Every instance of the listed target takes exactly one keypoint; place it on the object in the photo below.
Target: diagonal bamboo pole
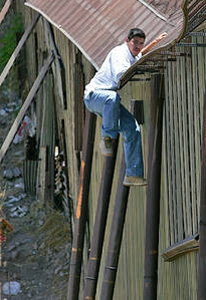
(5, 10)
(201, 294)
(153, 191)
(100, 225)
(82, 207)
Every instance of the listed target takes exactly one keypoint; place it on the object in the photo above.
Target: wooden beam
(25, 106)
(187, 245)
(5, 10)
(58, 66)
(153, 190)
(201, 293)
(18, 49)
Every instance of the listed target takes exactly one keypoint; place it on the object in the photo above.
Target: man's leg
(132, 143)
(106, 103)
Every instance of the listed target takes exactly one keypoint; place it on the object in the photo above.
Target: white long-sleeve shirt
(117, 62)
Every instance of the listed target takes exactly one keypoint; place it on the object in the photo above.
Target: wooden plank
(168, 155)
(18, 49)
(78, 102)
(172, 182)
(187, 245)
(178, 188)
(5, 10)
(191, 141)
(57, 67)
(43, 153)
(181, 144)
(25, 106)
(202, 230)
(199, 59)
(153, 189)
(197, 121)
(164, 217)
(188, 229)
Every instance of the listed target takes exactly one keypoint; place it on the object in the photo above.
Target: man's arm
(153, 43)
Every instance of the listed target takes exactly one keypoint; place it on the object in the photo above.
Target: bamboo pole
(201, 293)
(100, 225)
(82, 207)
(153, 190)
(115, 239)
(4, 11)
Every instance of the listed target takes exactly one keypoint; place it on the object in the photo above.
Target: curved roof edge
(95, 27)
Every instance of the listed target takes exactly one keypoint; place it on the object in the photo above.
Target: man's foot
(106, 146)
(134, 181)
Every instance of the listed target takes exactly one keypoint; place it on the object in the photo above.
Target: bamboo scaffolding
(82, 207)
(201, 295)
(153, 191)
(100, 225)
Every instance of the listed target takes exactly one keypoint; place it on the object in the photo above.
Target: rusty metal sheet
(96, 26)
(196, 13)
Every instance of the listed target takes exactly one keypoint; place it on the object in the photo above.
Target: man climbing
(101, 98)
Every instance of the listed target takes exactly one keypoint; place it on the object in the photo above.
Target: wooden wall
(180, 182)
(185, 83)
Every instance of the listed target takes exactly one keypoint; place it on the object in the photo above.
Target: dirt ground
(35, 256)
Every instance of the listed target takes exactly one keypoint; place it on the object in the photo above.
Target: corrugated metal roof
(96, 26)
(196, 13)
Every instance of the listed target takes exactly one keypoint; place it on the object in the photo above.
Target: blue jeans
(117, 119)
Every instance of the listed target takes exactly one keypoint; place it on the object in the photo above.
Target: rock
(19, 211)
(11, 288)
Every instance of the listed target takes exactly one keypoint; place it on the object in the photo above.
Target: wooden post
(153, 190)
(202, 226)
(82, 207)
(100, 225)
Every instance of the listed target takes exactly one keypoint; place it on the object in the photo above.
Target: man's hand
(161, 36)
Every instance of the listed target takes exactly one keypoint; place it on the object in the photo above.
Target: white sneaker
(106, 146)
(134, 181)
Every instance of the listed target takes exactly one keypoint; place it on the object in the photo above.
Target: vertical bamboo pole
(153, 189)
(202, 225)
(115, 238)
(82, 207)
(100, 225)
